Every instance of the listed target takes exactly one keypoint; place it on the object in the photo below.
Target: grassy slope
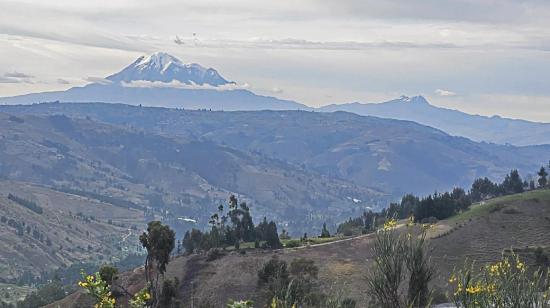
(486, 207)
(481, 234)
(518, 222)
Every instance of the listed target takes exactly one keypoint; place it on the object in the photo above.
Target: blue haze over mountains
(168, 82)
(445, 148)
(478, 128)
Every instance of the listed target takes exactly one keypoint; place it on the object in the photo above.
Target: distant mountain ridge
(163, 80)
(475, 127)
(393, 156)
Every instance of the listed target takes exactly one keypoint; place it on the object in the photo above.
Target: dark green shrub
(293, 244)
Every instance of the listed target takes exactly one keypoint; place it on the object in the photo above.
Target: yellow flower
(452, 279)
(494, 269)
(458, 289)
(474, 289)
(390, 224)
(520, 266)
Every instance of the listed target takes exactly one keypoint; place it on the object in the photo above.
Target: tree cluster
(31, 205)
(444, 205)
(232, 228)
(440, 205)
(483, 188)
(359, 225)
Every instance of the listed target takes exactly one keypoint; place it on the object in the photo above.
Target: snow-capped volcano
(163, 80)
(419, 99)
(162, 67)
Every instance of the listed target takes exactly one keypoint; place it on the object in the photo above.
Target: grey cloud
(484, 11)
(92, 40)
(17, 75)
(9, 80)
(294, 43)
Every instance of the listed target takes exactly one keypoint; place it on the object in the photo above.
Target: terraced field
(69, 229)
(512, 222)
(12, 293)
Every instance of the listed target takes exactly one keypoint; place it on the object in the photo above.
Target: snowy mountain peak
(159, 60)
(419, 99)
(163, 67)
(405, 98)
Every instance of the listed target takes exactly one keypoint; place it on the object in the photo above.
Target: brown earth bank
(520, 222)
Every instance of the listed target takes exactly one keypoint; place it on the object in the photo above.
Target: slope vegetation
(520, 222)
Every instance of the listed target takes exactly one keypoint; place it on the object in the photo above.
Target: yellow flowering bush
(98, 289)
(506, 283)
(141, 298)
(400, 258)
(390, 224)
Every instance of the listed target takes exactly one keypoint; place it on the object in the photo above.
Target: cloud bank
(180, 85)
(442, 92)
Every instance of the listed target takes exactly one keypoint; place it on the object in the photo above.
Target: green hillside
(520, 222)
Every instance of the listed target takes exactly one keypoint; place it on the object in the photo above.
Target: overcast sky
(480, 56)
